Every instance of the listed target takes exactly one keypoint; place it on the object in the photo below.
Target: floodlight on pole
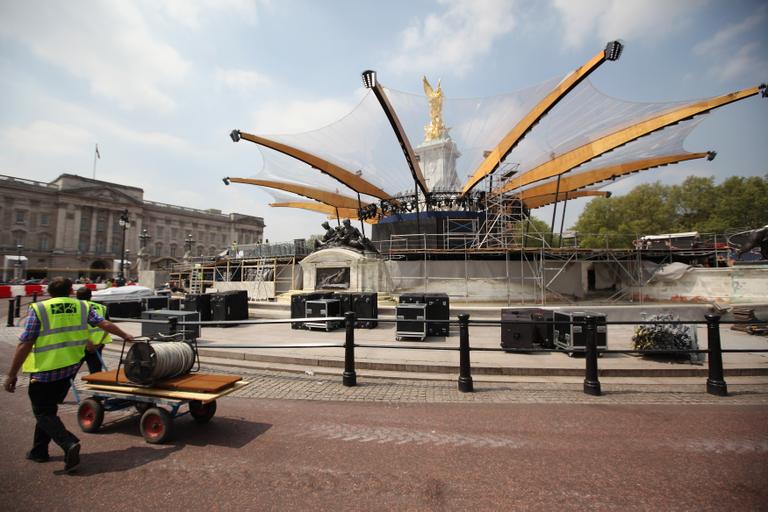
(613, 50)
(369, 78)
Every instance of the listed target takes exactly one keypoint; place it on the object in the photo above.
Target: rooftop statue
(435, 130)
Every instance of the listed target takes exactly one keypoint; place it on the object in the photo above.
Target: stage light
(711, 155)
(235, 135)
(369, 78)
(613, 50)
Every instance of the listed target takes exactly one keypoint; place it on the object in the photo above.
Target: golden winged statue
(435, 130)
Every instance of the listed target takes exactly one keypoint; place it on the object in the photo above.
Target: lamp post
(144, 238)
(188, 244)
(19, 248)
(124, 223)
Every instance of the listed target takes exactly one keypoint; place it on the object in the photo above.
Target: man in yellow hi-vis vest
(98, 337)
(50, 350)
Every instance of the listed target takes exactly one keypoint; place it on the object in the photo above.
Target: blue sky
(160, 84)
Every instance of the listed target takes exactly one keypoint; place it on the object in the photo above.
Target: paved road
(403, 445)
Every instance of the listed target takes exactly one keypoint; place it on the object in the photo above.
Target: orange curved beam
(586, 179)
(313, 206)
(330, 198)
(586, 152)
(402, 138)
(511, 139)
(348, 178)
(344, 213)
(538, 202)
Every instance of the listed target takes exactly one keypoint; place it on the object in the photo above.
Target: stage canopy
(555, 141)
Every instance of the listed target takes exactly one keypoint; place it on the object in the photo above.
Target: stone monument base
(345, 270)
(153, 278)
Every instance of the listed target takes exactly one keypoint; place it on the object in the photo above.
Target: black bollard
(465, 372)
(591, 382)
(10, 313)
(349, 378)
(17, 312)
(173, 325)
(715, 382)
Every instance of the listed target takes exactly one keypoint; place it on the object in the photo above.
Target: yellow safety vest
(99, 336)
(63, 334)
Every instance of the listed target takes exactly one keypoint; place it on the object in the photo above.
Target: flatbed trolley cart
(159, 400)
(158, 407)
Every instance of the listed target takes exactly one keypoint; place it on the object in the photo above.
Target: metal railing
(715, 383)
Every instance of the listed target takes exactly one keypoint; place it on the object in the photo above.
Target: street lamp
(125, 224)
(188, 244)
(19, 247)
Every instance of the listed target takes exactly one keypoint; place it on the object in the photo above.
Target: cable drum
(146, 364)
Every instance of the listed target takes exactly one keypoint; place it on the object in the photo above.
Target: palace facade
(71, 226)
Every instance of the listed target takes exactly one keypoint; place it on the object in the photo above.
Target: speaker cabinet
(438, 313)
(200, 303)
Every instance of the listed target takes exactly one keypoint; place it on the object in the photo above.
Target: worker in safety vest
(50, 350)
(99, 338)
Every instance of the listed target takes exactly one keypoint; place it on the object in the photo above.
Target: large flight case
(323, 308)
(569, 332)
(411, 321)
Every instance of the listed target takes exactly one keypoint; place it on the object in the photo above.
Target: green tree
(694, 202)
(695, 205)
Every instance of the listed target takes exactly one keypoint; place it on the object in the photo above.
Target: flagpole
(95, 155)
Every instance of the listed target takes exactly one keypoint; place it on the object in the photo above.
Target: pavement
(303, 364)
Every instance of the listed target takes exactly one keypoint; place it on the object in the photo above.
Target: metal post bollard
(465, 376)
(715, 383)
(591, 382)
(17, 312)
(349, 378)
(10, 313)
(173, 325)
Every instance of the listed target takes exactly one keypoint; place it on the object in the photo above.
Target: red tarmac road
(312, 455)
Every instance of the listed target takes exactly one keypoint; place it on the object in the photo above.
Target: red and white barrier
(8, 291)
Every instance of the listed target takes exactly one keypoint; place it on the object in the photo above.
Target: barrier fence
(715, 383)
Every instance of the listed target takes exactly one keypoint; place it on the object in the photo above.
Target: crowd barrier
(8, 291)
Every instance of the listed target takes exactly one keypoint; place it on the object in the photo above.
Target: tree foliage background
(698, 204)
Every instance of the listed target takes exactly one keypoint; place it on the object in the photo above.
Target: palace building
(72, 226)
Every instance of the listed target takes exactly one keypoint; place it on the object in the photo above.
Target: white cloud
(189, 13)
(299, 116)
(585, 21)
(731, 59)
(719, 43)
(46, 137)
(746, 61)
(455, 38)
(107, 44)
(241, 79)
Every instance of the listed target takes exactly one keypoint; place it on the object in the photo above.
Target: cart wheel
(90, 415)
(202, 413)
(156, 425)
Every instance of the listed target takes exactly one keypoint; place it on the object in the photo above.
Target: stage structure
(482, 164)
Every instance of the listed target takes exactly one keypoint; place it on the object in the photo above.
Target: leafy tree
(695, 205)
